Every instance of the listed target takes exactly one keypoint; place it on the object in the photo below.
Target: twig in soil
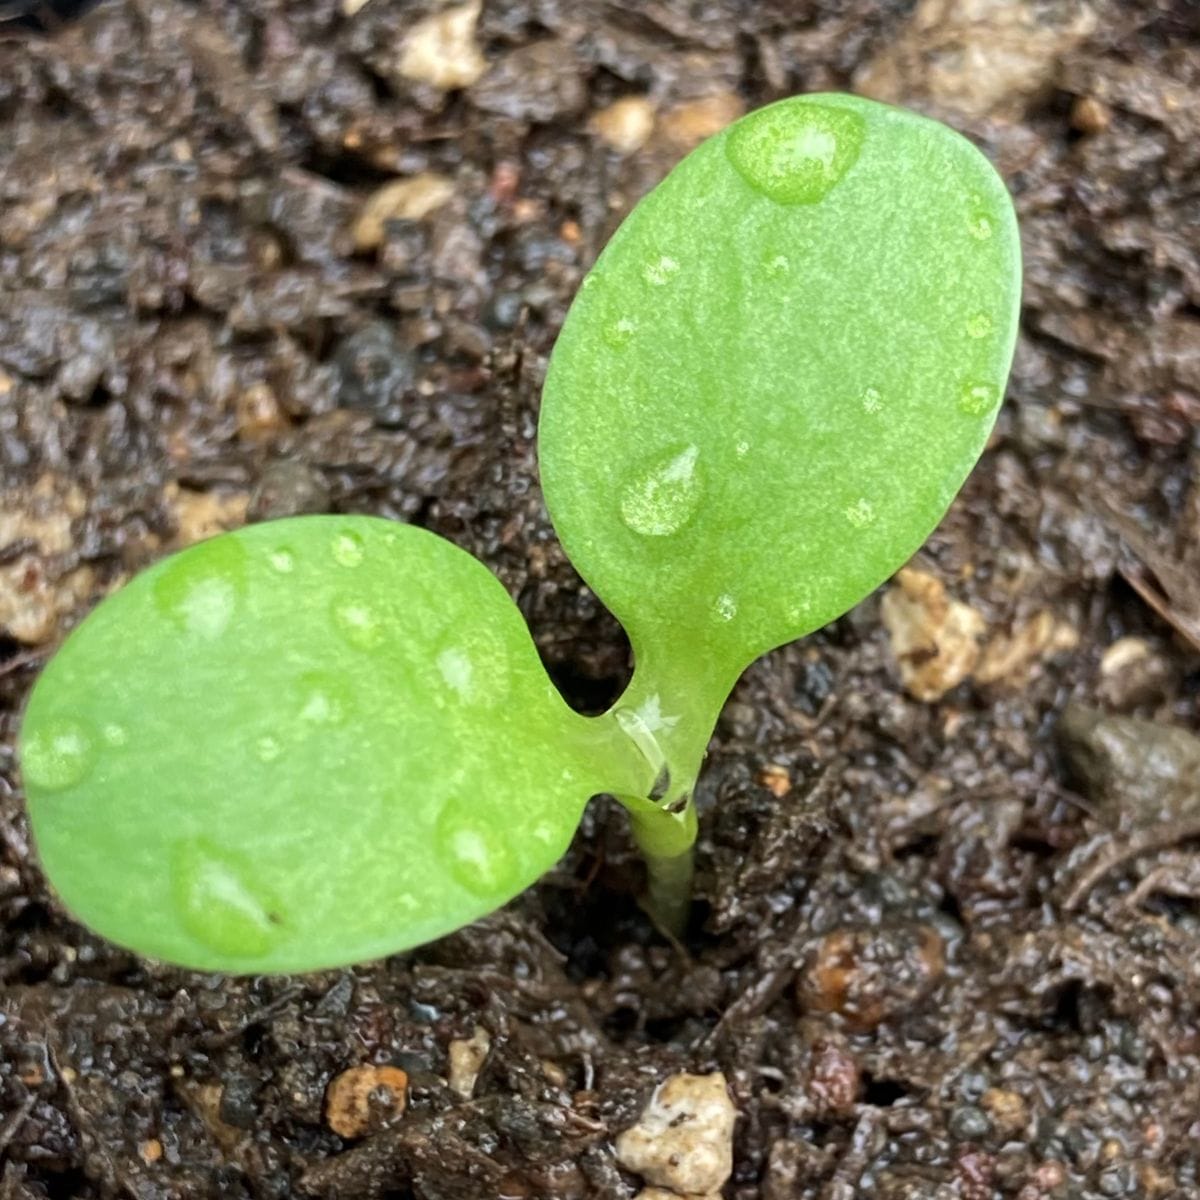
(1134, 847)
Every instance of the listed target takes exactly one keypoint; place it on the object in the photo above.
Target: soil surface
(947, 936)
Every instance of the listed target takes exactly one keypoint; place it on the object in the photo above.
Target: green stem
(656, 736)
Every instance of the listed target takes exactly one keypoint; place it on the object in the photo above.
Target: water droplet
(282, 560)
(726, 607)
(268, 748)
(872, 400)
(348, 548)
(57, 754)
(664, 494)
(742, 449)
(861, 513)
(549, 834)
(475, 849)
(979, 325)
(324, 699)
(661, 271)
(456, 671)
(116, 735)
(358, 623)
(978, 399)
(777, 264)
(795, 152)
(620, 332)
(979, 225)
(200, 589)
(221, 903)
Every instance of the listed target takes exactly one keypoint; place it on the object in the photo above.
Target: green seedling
(322, 740)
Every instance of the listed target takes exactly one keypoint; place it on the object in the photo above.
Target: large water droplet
(663, 494)
(221, 903)
(358, 623)
(475, 850)
(978, 399)
(861, 513)
(348, 549)
(325, 699)
(57, 753)
(661, 270)
(796, 151)
(200, 589)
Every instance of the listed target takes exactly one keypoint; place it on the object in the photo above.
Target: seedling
(321, 740)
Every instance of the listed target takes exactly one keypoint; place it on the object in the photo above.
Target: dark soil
(932, 959)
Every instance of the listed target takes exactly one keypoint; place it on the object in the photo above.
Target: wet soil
(904, 956)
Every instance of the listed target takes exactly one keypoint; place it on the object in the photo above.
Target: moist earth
(947, 933)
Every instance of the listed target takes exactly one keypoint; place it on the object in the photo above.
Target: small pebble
(467, 1056)
(364, 1099)
(969, 1124)
(683, 1140)
(625, 124)
(442, 51)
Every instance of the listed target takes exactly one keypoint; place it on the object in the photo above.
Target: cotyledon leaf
(778, 375)
(306, 743)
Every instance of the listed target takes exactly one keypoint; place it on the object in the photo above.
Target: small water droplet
(663, 494)
(324, 699)
(282, 560)
(661, 271)
(979, 325)
(861, 513)
(200, 589)
(978, 399)
(456, 671)
(221, 903)
(348, 548)
(58, 753)
(872, 400)
(796, 151)
(742, 449)
(475, 849)
(979, 225)
(268, 748)
(358, 623)
(777, 264)
(726, 607)
(116, 735)
(620, 332)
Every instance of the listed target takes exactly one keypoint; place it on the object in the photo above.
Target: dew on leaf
(358, 623)
(726, 607)
(200, 590)
(741, 449)
(795, 152)
(268, 748)
(115, 735)
(456, 671)
(778, 264)
(220, 902)
(620, 332)
(872, 400)
(324, 699)
(662, 270)
(978, 399)
(475, 849)
(979, 325)
(663, 495)
(282, 560)
(58, 754)
(861, 513)
(979, 225)
(348, 549)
